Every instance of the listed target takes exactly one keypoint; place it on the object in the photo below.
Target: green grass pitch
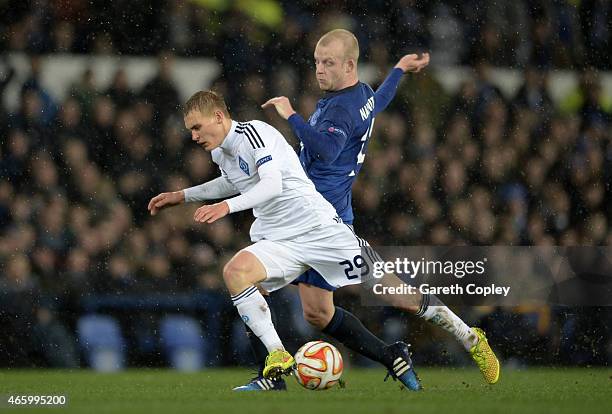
(446, 390)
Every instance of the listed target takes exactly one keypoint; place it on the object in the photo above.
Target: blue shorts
(312, 277)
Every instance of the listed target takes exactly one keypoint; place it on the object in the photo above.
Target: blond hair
(348, 39)
(206, 102)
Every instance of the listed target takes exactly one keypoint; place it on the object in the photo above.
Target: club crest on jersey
(314, 117)
(243, 165)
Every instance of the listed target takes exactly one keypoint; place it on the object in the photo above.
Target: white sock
(254, 311)
(440, 315)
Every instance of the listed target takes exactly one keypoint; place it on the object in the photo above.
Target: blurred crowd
(473, 167)
(550, 33)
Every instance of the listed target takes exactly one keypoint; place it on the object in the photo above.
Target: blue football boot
(263, 384)
(402, 369)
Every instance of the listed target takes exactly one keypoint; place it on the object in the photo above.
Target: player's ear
(350, 65)
(219, 116)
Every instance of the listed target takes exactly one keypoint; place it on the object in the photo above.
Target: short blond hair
(206, 102)
(348, 39)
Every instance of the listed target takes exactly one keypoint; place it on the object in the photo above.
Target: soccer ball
(318, 365)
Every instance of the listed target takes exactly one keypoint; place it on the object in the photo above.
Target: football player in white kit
(295, 227)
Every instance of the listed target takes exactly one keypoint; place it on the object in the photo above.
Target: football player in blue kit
(333, 145)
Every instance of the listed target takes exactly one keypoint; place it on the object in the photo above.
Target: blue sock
(346, 328)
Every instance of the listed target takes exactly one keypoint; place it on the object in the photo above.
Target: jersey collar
(230, 140)
(338, 92)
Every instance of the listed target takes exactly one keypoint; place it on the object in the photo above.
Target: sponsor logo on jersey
(263, 160)
(335, 130)
(243, 165)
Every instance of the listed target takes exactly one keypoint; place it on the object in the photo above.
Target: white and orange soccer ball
(318, 365)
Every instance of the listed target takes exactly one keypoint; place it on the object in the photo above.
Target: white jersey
(298, 208)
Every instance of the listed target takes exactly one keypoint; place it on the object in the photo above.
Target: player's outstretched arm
(327, 145)
(165, 200)
(269, 186)
(220, 187)
(386, 91)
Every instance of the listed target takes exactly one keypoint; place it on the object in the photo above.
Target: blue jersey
(335, 140)
(348, 112)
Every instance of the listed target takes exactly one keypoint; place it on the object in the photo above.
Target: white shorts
(332, 250)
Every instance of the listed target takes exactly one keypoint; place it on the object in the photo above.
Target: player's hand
(211, 213)
(164, 200)
(282, 105)
(413, 62)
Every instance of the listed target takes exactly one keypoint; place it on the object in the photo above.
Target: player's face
(206, 130)
(330, 65)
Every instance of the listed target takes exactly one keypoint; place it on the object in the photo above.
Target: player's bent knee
(235, 273)
(242, 271)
